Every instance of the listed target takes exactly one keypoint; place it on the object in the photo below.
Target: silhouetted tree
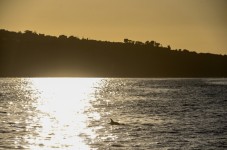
(152, 43)
(73, 38)
(126, 40)
(156, 44)
(129, 41)
(62, 37)
(139, 43)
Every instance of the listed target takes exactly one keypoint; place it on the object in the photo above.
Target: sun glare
(64, 94)
(61, 104)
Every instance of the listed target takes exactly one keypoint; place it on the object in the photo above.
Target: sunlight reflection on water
(61, 118)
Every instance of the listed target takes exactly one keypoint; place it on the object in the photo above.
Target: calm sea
(74, 113)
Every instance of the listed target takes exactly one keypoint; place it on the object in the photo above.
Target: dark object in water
(114, 123)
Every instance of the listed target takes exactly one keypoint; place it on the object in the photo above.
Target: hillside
(30, 54)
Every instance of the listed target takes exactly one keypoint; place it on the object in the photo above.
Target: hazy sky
(197, 25)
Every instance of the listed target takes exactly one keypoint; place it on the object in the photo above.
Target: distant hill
(30, 54)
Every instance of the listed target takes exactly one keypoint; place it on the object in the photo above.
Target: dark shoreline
(30, 54)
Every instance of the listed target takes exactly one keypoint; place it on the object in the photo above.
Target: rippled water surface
(73, 113)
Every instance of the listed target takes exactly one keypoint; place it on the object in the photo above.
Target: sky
(196, 25)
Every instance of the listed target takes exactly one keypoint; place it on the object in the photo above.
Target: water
(73, 113)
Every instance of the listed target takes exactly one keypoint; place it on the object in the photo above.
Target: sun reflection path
(60, 110)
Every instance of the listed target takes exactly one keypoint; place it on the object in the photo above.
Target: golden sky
(196, 25)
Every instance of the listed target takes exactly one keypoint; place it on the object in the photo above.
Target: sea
(74, 113)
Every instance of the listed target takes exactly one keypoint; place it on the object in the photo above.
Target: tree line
(30, 54)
